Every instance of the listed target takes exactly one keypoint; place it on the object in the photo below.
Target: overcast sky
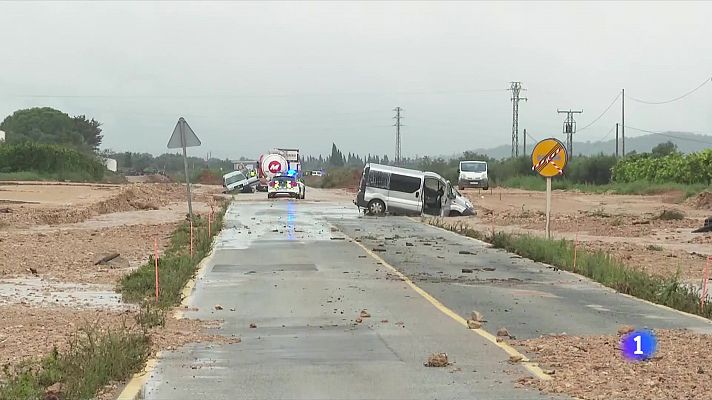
(251, 76)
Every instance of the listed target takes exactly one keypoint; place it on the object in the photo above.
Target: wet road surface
(291, 270)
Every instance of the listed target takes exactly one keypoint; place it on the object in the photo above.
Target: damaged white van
(400, 191)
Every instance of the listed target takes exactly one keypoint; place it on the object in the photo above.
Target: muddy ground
(632, 228)
(52, 235)
(593, 367)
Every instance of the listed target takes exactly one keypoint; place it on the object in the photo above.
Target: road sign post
(182, 137)
(549, 158)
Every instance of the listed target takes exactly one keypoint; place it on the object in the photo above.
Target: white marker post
(182, 137)
(548, 206)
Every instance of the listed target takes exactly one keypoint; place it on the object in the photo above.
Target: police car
(286, 185)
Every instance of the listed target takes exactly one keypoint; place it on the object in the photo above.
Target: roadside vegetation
(97, 356)
(175, 267)
(596, 265)
(94, 359)
(42, 160)
(662, 170)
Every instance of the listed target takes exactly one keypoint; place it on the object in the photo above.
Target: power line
(607, 134)
(250, 95)
(706, 81)
(603, 113)
(530, 137)
(670, 136)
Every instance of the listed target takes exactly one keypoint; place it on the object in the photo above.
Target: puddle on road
(246, 224)
(41, 292)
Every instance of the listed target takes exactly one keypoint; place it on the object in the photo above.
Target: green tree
(47, 125)
(336, 159)
(664, 149)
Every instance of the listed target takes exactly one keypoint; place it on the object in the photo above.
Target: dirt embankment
(594, 368)
(128, 198)
(51, 237)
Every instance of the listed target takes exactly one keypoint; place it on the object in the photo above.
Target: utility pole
(398, 136)
(569, 129)
(515, 87)
(524, 150)
(616, 140)
(623, 120)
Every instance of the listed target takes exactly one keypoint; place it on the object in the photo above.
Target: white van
(408, 192)
(472, 174)
(236, 180)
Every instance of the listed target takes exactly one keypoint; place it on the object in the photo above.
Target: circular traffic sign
(549, 158)
(274, 167)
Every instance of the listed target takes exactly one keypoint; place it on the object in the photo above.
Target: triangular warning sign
(183, 135)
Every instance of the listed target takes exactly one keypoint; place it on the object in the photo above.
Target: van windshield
(473, 166)
(234, 178)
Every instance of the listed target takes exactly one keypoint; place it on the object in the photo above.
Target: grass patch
(93, 360)
(536, 183)
(597, 265)
(175, 266)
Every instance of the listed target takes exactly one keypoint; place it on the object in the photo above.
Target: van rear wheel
(376, 207)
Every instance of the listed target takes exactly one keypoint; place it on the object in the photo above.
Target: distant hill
(686, 142)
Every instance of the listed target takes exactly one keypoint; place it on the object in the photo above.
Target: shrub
(50, 159)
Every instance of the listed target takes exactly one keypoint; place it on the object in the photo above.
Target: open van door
(447, 200)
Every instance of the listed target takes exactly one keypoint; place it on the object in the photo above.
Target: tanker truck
(277, 161)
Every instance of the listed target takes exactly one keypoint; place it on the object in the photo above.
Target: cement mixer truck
(276, 162)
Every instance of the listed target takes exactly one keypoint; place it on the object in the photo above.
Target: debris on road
(489, 269)
(253, 325)
(477, 316)
(358, 320)
(218, 307)
(515, 358)
(365, 314)
(472, 324)
(408, 244)
(467, 270)
(502, 332)
(625, 329)
(378, 249)
(465, 252)
(437, 360)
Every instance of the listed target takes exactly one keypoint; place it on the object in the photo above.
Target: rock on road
(298, 285)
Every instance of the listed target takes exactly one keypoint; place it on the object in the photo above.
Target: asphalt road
(292, 269)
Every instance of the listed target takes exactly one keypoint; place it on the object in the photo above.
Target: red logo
(274, 167)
